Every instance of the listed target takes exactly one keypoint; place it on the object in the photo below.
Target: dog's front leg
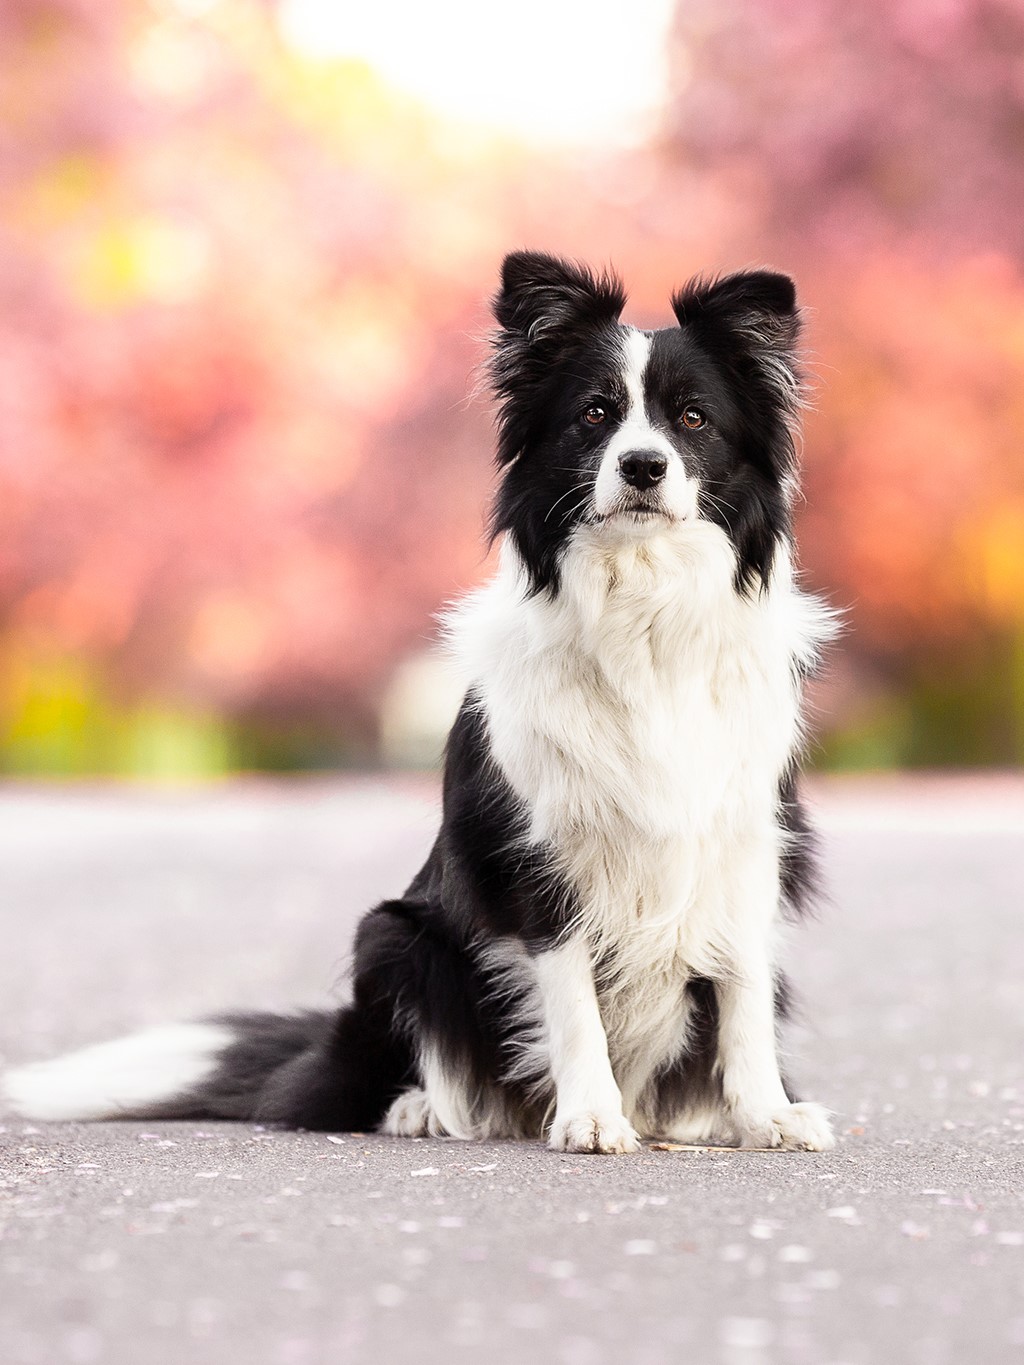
(588, 1103)
(748, 1064)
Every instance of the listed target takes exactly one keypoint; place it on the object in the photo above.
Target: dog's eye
(693, 418)
(594, 415)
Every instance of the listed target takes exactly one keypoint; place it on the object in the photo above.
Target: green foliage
(60, 721)
(958, 710)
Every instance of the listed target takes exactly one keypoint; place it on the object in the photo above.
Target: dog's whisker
(573, 510)
(568, 493)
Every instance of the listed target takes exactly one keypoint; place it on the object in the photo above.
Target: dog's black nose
(642, 468)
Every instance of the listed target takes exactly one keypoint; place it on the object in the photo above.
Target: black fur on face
(558, 339)
(560, 350)
(748, 325)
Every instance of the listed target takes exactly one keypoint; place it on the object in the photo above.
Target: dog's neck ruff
(646, 635)
(646, 712)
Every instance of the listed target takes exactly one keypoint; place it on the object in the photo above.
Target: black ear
(542, 294)
(758, 304)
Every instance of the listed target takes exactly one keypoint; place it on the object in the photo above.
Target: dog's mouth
(639, 509)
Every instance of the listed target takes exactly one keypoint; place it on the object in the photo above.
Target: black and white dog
(590, 951)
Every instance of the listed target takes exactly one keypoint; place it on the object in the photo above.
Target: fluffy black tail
(334, 1071)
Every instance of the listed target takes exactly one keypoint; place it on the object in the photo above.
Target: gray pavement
(170, 1243)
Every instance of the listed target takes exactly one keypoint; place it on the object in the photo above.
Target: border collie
(589, 952)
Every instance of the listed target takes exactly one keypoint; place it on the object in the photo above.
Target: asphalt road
(161, 1244)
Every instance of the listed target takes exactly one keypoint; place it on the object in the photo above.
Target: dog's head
(631, 433)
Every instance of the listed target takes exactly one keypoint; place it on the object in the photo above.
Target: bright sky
(563, 71)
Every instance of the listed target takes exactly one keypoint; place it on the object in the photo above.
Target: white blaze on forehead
(636, 353)
(636, 431)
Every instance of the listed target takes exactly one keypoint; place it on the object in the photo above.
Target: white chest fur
(644, 716)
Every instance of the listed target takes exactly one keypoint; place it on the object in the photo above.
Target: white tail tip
(127, 1078)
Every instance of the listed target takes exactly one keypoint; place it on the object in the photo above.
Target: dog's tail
(310, 1070)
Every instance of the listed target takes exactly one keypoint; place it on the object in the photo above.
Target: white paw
(409, 1116)
(800, 1127)
(610, 1133)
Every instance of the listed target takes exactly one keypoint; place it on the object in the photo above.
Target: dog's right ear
(542, 294)
(542, 306)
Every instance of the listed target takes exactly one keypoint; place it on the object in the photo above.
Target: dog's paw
(609, 1133)
(802, 1127)
(409, 1116)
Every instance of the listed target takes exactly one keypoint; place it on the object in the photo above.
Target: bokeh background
(245, 253)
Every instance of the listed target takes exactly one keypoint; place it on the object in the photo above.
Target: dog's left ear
(761, 300)
(754, 313)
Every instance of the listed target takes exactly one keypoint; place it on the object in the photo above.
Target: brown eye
(693, 418)
(594, 416)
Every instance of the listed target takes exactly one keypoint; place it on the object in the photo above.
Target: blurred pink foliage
(853, 125)
(243, 300)
(877, 151)
(231, 343)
